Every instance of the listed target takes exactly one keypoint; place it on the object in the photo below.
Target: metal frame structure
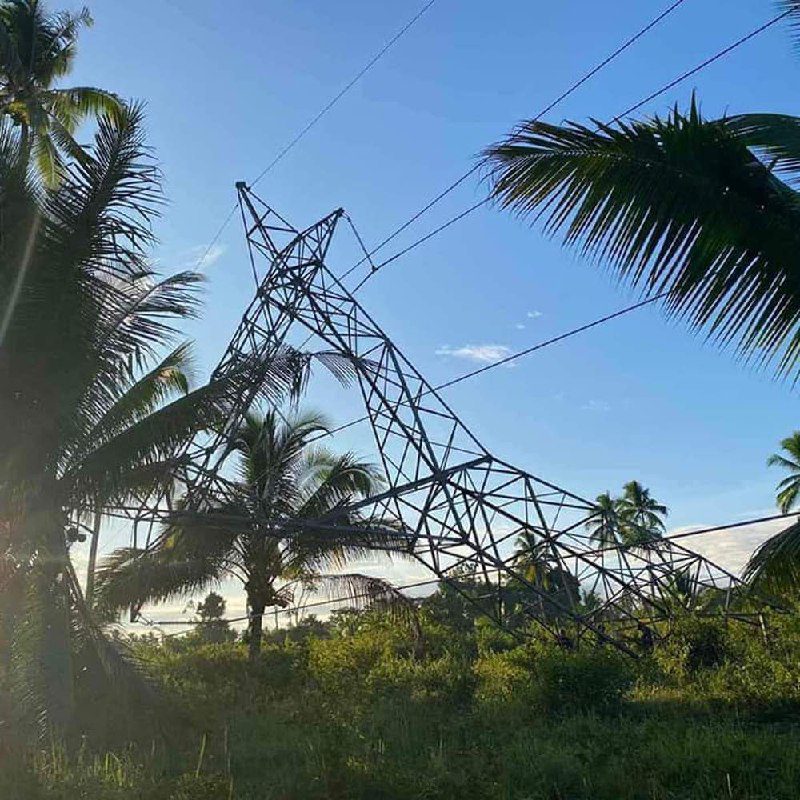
(457, 508)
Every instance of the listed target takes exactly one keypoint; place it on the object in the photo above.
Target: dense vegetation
(364, 707)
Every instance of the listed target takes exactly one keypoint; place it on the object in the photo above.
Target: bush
(553, 681)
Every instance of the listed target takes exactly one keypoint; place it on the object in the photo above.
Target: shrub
(587, 680)
(694, 645)
(553, 681)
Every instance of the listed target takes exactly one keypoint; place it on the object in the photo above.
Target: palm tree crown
(36, 50)
(776, 563)
(641, 516)
(789, 488)
(604, 527)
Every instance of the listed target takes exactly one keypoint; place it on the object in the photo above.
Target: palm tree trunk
(90, 570)
(25, 144)
(255, 628)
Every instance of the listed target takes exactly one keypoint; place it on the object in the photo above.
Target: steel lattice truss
(459, 508)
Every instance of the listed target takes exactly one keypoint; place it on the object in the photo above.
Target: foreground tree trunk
(90, 570)
(255, 628)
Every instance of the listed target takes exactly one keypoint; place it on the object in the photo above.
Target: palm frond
(775, 565)
(335, 484)
(362, 591)
(47, 158)
(146, 394)
(774, 137)
(109, 663)
(154, 439)
(71, 106)
(793, 7)
(777, 460)
(677, 206)
(130, 578)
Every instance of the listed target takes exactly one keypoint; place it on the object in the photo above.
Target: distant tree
(212, 626)
(36, 50)
(540, 585)
(789, 488)
(604, 527)
(775, 565)
(640, 516)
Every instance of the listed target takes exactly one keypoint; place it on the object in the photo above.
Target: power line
(514, 356)
(708, 62)
(432, 581)
(563, 96)
(682, 77)
(320, 114)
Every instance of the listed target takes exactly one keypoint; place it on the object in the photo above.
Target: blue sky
(228, 84)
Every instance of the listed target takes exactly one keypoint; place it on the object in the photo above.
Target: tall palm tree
(37, 49)
(90, 413)
(604, 526)
(265, 535)
(789, 488)
(640, 516)
(76, 313)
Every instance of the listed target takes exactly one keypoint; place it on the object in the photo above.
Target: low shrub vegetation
(366, 707)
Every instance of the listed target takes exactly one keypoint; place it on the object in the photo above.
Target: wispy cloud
(530, 315)
(481, 353)
(596, 405)
(202, 257)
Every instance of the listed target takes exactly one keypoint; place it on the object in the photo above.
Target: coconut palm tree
(267, 535)
(91, 413)
(38, 49)
(78, 311)
(640, 516)
(789, 488)
(604, 526)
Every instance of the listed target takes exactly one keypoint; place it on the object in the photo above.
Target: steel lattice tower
(459, 506)
(456, 507)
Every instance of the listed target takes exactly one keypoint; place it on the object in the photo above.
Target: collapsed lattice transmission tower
(456, 507)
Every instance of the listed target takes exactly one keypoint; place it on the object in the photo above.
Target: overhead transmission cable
(652, 96)
(563, 96)
(314, 120)
(512, 357)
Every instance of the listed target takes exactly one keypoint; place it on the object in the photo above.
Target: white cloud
(596, 405)
(534, 314)
(202, 257)
(520, 326)
(482, 353)
(730, 549)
